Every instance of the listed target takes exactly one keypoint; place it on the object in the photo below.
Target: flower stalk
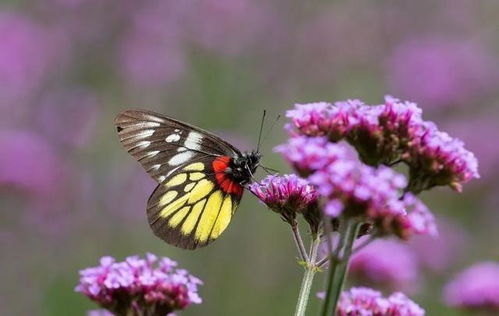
(299, 243)
(338, 263)
(308, 278)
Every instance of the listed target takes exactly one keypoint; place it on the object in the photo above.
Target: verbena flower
(438, 159)
(361, 301)
(323, 119)
(475, 288)
(386, 134)
(389, 264)
(357, 189)
(289, 195)
(414, 219)
(309, 154)
(139, 285)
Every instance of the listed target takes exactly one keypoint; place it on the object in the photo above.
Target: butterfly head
(244, 166)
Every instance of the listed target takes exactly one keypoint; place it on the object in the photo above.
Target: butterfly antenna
(269, 171)
(271, 127)
(261, 129)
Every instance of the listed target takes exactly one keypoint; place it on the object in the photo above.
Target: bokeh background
(70, 194)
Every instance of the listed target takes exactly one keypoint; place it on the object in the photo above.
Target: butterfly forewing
(162, 144)
(189, 208)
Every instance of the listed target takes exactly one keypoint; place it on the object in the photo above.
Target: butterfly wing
(162, 145)
(188, 208)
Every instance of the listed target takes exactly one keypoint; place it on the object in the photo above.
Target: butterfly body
(200, 177)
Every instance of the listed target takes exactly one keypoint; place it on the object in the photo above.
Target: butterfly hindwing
(189, 210)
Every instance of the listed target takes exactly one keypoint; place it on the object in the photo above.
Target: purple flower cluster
(364, 301)
(475, 288)
(388, 134)
(355, 189)
(137, 284)
(289, 195)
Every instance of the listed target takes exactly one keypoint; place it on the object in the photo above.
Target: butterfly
(200, 176)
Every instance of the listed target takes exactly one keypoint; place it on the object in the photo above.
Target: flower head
(475, 288)
(309, 154)
(438, 159)
(323, 119)
(414, 219)
(357, 189)
(146, 284)
(289, 195)
(365, 301)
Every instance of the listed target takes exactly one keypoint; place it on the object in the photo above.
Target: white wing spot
(143, 144)
(181, 149)
(193, 141)
(172, 138)
(145, 133)
(180, 158)
(155, 167)
(150, 124)
(152, 153)
(177, 130)
(161, 178)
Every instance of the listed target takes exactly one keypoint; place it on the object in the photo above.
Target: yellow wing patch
(197, 166)
(193, 217)
(209, 216)
(177, 180)
(196, 176)
(190, 210)
(223, 219)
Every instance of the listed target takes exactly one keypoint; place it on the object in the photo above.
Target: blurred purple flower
(230, 27)
(29, 52)
(138, 186)
(387, 263)
(149, 61)
(472, 130)
(437, 253)
(68, 116)
(99, 312)
(31, 163)
(288, 195)
(359, 301)
(143, 286)
(475, 288)
(151, 53)
(440, 72)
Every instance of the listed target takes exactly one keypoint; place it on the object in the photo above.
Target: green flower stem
(299, 244)
(338, 265)
(308, 277)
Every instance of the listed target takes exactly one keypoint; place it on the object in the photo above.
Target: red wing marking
(220, 166)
